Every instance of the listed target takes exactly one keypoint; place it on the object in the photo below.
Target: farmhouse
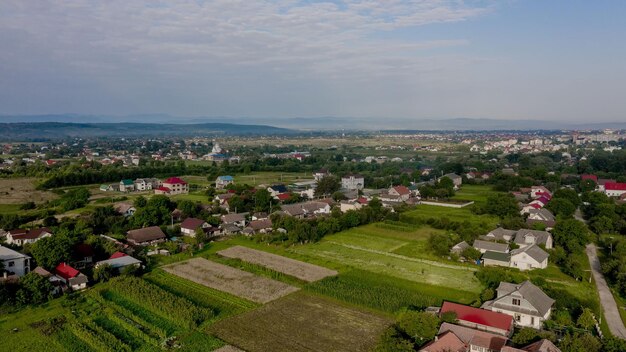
(146, 236)
(480, 319)
(542, 215)
(222, 181)
(127, 185)
(125, 209)
(529, 257)
(146, 184)
(55, 280)
(352, 182)
(491, 258)
(176, 186)
(119, 261)
(525, 302)
(238, 219)
(275, 190)
(456, 338)
(21, 237)
(402, 192)
(72, 278)
(346, 205)
(522, 237)
(306, 209)
(259, 226)
(190, 225)
(15, 263)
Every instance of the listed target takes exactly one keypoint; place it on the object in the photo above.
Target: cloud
(143, 49)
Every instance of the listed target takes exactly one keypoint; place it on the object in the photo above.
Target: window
(11, 264)
(532, 320)
(518, 317)
(516, 302)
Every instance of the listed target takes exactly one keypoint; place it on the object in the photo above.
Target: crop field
(301, 270)
(423, 212)
(477, 193)
(395, 253)
(22, 190)
(302, 322)
(234, 281)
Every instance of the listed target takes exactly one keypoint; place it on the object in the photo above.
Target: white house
(176, 185)
(321, 174)
(21, 237)
(529, 257)
(222, 181)
(119, 262)
(190, 225)
(145, 184)
(353, 182)
(15, 263)
(614, 189)
(456, 179)
(346, 205)
(526, 303)
(127, 185)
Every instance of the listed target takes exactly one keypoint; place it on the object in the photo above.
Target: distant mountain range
(55, 130)
(262, 125)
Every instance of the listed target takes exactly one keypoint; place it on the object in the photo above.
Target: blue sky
(435, 59)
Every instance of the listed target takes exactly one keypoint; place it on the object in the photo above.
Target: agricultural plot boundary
(298, 269)
(234, 281)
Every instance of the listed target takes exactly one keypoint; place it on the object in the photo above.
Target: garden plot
(300, 270)
(300, 323)
(224, 278)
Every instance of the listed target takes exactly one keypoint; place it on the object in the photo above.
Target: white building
(525, 302)
(21, 237)
(353, 182)
(529, 257)
(15, 263)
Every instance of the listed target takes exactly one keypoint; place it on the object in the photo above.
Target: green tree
(602, 224)
(421, 326)
(201, 236)
(502, 205)
(34, 289)
(585, 320)
(561, 207)
(327, 185)
(394, 341)
(262, 200)
(580, 342)
(103, 273)
(487, 294)
(140, 202)
(50, 251)
(439, 243)
(571, 234)
(471, 253)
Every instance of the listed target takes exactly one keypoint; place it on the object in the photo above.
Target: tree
(140, 202)
(421, 326)
(613, 344)
(487, 294)
(585, 320)
(571, 234)
(327, 185)
(569, 194)
(338, 196)
(471, 253)
(103, 273)
(201, 236)
(50, 251)
(502, 205)
(602, 224)
(262, 200)
(580, 342)
(34, 289)
(439, 243)
(394, 341)
(561, 207)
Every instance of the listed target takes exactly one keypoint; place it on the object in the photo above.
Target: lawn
(423, 212)
(269, 178)
(476, 193)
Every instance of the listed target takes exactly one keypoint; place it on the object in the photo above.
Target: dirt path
(611, 311)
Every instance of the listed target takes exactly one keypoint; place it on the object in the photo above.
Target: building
(275, 190)
(146, 184)
(321, 174)
(352, 182)
(71, 277)
(176, 185)
(529, 257)
(15, 263)
(125, 209)
(480, 319)
(119, 261)
(457, 180)
(521, 237)
(145, 236)
(127, 185)
(614, 189)
(237, 219)
(542, 215)
(403, 193)
(457, 338)
(525, 302)
(21, 237)
(484, 246)
(190, 225)
(491, 258)
(222, 181)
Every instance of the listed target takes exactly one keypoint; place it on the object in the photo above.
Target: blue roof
(225, 178)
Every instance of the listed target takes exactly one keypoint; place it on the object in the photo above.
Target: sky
(557, 60)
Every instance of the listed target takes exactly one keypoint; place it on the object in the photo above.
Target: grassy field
(476, 193)
(424, 212)
(22, 190)
(303, 322)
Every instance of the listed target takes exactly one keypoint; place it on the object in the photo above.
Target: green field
(476, 193)
(460, 215)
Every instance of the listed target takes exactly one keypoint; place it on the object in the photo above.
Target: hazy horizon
(558, 61)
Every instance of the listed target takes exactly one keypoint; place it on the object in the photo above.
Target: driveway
(611, 312)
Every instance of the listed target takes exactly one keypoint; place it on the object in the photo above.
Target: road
(611, 312)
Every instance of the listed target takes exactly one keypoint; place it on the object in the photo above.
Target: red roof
(362, 200)
(65, 271)
(192, 223)
(594, 178)
(175, 180)
(479, 316)
(163, 189)
(117, 255)
(615, 186)
(402, 190)
(283, 196)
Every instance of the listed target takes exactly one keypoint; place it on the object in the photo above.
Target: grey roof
(491, 246)
(533, 251)
(78, 280)
(500, 234)
(499, 256)
(231, 218)
(292, 209)
(475, 337)
(533, 294)
(120, 261)
(544, 213)
(451, 176)
(541, 237)
(460, 247)
(8, 254)
(146, 234)
(541, 346)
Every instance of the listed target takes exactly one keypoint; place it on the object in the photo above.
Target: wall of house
(489, 262)
(524, 262)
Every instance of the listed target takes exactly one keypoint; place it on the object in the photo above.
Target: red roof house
(65, 271)
(615, 186)
(593, 178)
(175, 180)
(283, 196)
(480, 319)
(117, 255)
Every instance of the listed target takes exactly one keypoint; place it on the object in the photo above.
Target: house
(537, 191)
(259, 226)
(55, 280)
(491, 258)
(237, 219)
(125, 209)
(456, 179)
(484, 246)
(471, 339)
(190, 225)
(275, 190)
(222, 181)
(543, 216)
(602, 184)
(525, 237)
(353, 182)
(106, 188)
(614, 189)
(346, 205)
(260, 216)
(162, 190)
(459, 247)
(71, 277)
(401, 192)
(593, 178)
(127, 185)
(176, 186)
(145, 236)
(525, 302)
(21, 237)
(500, 234)
(480, 319)
(230, 229)
(302, 210)
(15, 263)
(321, 174)
(146, 184)
(119, 261)
(82, 256)
(529, 257)
(283, 197)
(222, 199)
(539, 346)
